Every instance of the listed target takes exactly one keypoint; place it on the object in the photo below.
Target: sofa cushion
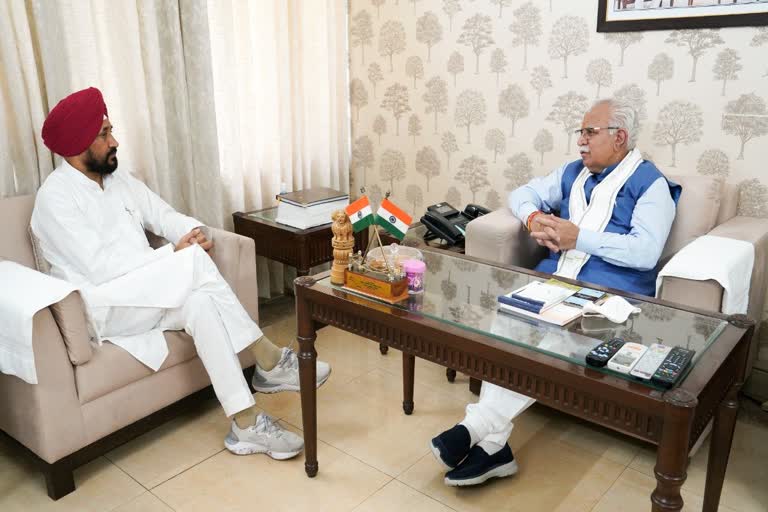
(112, 368)
(138, 399)
(41, 264)
(729, 205)
(15, 213)
(69, 312)
(70, 316)
(697, 211)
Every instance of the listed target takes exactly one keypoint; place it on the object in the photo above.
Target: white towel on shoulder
(596, 215)
(725, 260)
(24, 292)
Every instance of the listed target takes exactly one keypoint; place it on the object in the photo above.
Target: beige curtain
(215, 103)
(281, 101)
(24, 160)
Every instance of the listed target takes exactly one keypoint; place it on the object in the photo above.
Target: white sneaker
(265, 436)
(285, 375)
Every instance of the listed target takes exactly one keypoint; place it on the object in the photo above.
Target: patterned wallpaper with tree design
(464, 100)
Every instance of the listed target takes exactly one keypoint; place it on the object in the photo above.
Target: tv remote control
(627, 357)
(600, 355)
(672, 367)
(650, 362)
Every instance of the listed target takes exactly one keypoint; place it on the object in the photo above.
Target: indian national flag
(393, 219)
(360, 214)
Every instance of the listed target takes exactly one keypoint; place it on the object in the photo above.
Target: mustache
(583, 149)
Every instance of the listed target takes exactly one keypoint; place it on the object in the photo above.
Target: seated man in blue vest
(605, 219)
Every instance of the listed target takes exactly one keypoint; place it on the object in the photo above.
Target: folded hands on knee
(554, 233)
(195, 237)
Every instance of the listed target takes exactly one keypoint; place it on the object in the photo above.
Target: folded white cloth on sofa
(24, 292)
(725, 260)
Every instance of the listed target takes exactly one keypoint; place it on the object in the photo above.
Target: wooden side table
(299, 248)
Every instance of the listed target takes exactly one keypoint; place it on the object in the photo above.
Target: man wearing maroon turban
(90, 219)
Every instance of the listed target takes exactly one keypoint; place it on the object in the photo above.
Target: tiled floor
(374, 458)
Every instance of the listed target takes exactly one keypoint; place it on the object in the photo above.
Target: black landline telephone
(447, 223)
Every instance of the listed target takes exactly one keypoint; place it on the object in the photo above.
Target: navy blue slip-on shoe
(479, 467)
(450, 447)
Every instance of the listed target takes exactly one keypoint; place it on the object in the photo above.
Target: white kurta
(95, 239)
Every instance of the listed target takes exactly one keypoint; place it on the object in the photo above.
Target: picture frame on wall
(638, 15)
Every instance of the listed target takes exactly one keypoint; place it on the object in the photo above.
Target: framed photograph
(635, 15)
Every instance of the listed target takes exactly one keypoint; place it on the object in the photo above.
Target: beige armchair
(707, 206)
(90, 398)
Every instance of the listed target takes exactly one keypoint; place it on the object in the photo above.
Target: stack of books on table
(309, 208)
(551, 301)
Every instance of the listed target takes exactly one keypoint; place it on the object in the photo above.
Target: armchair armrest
(699, 294)
(708, 294)
(45, 417)
(235, 257)
(755, 231)
(501, 237)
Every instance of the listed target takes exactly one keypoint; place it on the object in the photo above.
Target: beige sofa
(90, 399)
(707, 206)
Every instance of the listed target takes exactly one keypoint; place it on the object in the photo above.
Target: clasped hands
(194, 237)
(554, 233)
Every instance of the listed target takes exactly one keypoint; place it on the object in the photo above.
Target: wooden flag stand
(387, 283)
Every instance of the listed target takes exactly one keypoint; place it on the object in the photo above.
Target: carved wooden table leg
(672, 455)
(725, 424)
(409, 366)
(719, 449)
(450, 374)
(307, 376)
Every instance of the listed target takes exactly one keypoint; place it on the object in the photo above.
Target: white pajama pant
(491, 417)
(217, 322)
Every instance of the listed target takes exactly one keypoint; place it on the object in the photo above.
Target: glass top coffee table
(455, 323)
(464, 293)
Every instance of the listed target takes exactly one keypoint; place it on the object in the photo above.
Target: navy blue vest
(597, 270)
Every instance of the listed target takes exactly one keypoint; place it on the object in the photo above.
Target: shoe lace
(289, 360)
(268, 425)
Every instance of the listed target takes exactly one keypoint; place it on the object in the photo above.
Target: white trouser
(218, 324)
(491, 417)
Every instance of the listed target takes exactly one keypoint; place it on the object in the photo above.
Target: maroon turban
(74, 122)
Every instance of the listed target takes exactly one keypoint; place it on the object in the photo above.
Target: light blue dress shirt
(639, 249)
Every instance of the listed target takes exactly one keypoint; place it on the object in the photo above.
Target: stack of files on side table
(551, 301)
(309, 208)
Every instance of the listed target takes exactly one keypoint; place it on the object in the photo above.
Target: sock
(489, 446)
(266, 353)
(473, 437)
(246, 417)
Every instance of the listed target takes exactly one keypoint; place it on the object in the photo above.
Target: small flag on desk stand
(393, 219)
(360, 214)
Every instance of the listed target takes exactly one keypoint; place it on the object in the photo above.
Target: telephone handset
(445, 222)
(440, 227)
(474, 211)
